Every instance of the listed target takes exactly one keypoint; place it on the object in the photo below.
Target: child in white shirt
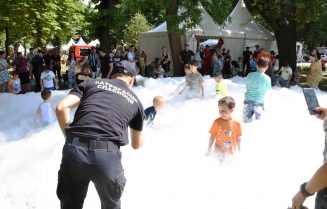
(45, 110)
(48, 79)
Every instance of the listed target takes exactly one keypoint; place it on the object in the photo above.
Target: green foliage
(218, 10)
(39, 21)
(133, 29)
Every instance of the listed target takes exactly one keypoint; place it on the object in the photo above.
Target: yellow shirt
(221, 88)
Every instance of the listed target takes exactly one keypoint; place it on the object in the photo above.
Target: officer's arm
(136, 139)
(63, 110)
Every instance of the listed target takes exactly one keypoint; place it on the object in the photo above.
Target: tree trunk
(7, 42)
(38, 34)
(286, 33)
(174, 37)
(106, 7)
(286, 42)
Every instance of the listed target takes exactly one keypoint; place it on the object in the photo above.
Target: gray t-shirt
(194, 81)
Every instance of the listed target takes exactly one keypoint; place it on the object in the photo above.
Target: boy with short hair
(221, 87)
(14, 85)
(257, 85)
(45, 109)
(225, 131)
(48, 79)
(150, 112)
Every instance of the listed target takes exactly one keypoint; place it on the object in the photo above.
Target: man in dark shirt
(37, 68)
(56, 64)
(91, 152)
(186, 56)
(106, 64)
(246, 60)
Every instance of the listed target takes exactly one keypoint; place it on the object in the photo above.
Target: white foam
(278, 153)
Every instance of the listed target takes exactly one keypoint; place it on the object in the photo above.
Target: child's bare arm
(211, 142)
(238, 143)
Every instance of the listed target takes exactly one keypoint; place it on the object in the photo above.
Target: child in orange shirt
(225, 131)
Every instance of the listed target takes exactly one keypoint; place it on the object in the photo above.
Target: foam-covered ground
(278, 153)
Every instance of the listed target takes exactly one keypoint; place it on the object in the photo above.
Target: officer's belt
(92, 144)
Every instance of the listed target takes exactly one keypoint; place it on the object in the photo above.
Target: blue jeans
(50, 89)
(251, 108)
(80, 165)
(281, 81)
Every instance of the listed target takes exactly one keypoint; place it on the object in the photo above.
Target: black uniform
(105, 61)
(91, 151)
(37, 63)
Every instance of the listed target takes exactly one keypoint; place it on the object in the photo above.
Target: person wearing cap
(105, 110)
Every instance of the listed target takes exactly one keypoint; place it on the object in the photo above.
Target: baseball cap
(124, 67)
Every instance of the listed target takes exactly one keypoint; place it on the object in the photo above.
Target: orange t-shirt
(226, 133)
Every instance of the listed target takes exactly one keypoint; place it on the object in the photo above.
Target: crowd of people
(101, 77)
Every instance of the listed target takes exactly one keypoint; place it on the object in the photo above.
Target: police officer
(91, 152)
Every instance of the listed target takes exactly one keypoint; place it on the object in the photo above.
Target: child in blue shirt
(150, 112)
(257, 84)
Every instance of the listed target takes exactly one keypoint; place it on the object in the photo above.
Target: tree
(190, 18)
(38, 21)
(283, 17)
(106, 22)
(137, 25)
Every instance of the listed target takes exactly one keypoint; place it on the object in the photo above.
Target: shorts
(251, 108)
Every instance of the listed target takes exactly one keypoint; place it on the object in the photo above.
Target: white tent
(241, 21)
(81, 42)
(209, 42)
(94, 43)
(152, 41)
(50, 46)
(68, 45)
(21, 48)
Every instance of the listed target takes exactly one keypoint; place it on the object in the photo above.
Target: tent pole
(243, 53)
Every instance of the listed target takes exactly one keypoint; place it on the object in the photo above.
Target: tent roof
(94, 42)
(206, 28)
(50, 46)
(241, 21)
(81, 42)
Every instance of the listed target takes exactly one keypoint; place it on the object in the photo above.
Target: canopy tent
(81, 42)
(50, 46)
(21, 48)
(152, 41)
(94, 43)
(209, 42)
(241, 21)
(68, 45)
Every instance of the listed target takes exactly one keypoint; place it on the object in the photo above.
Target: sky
(278, 152)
